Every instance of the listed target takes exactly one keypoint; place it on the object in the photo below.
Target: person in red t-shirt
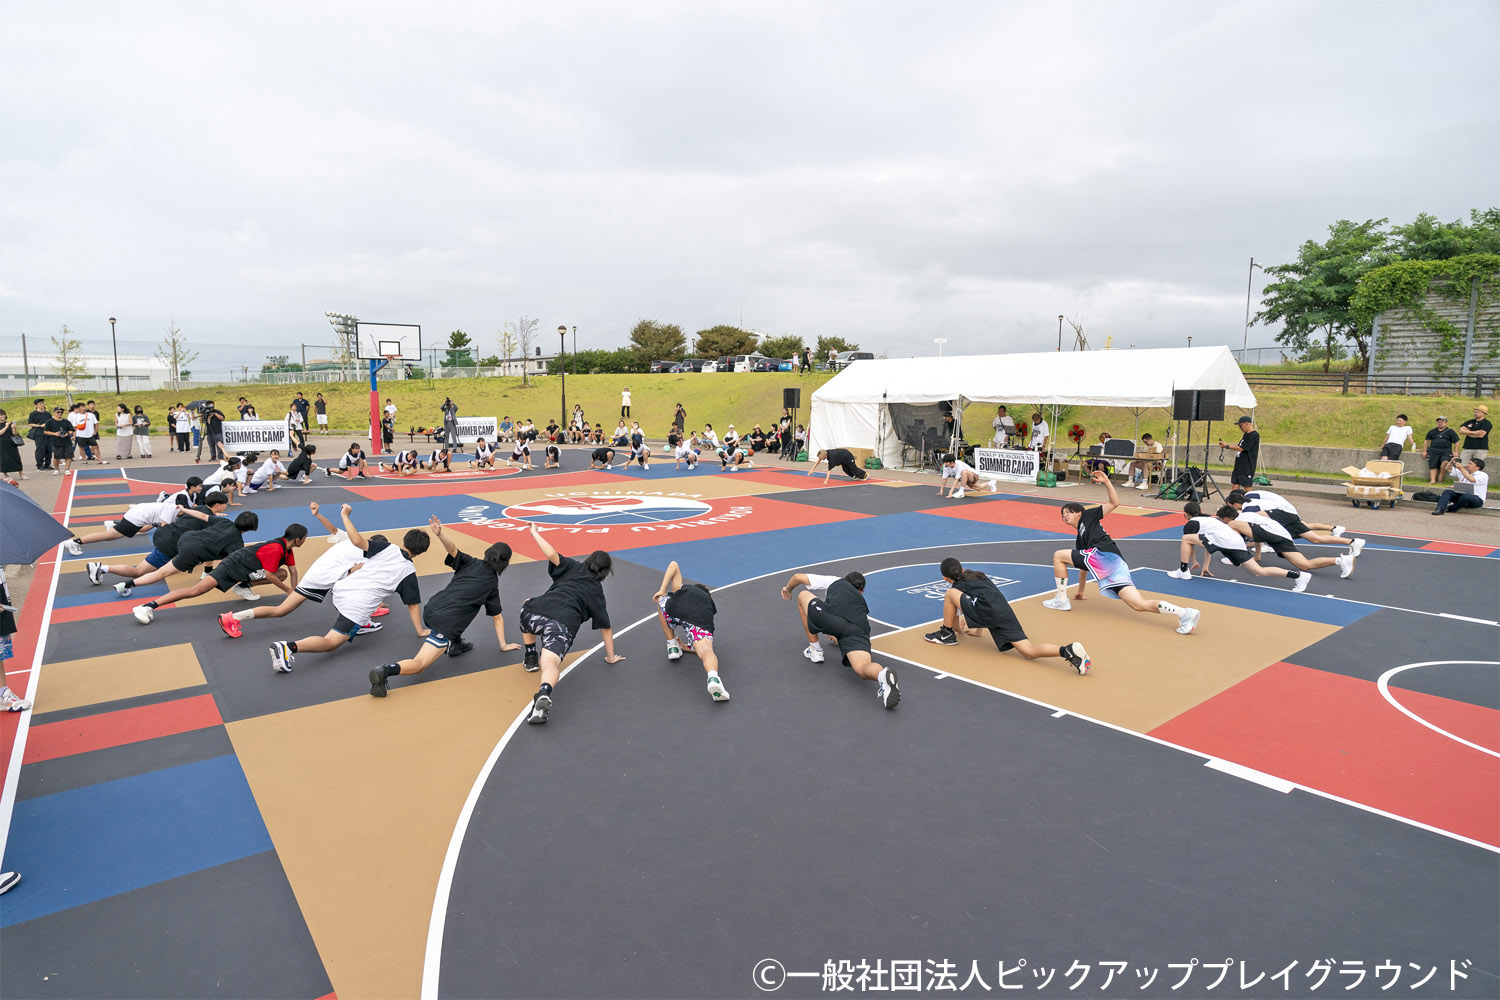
(270, 562)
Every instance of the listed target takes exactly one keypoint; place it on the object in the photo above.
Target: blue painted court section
(95, 842)
(720, 561)
(913, 595)
(1273, 600)
(107, 595)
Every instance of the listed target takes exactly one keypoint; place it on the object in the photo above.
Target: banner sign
(256, 435)
(1006, 463)
(471, 429)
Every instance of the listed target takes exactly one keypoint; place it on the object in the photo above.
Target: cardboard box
(1377, 472)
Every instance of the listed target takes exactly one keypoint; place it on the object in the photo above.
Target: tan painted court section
(360, 797)
(117, 676)
(1144, 673)
(717, 487)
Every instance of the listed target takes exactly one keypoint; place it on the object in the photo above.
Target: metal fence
(1358, 382)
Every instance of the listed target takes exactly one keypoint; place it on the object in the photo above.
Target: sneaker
(944, 636)
(124, 587)
(362, 476)
(1345, 563)
(282, 657)
(370, 627)
(1300, 584)
(377, 682)
(205, 574)
(143, 613)
(674, 651)
(96, 573)
(1060, 603)
(459, 648)
(9, 880)
(814, 653)
(531, 661)
(73, 547)
(230, 626)
(958, 494)
(1356, 547)
(1338, 531)
(1188, 621)
(1075, 654)
(992, 486)
(886, 688)
(302, 479)
(110, 525)
(328, 472)
(1226, 560)
(12, 702)
(1142, 486)
(244, 593)
(380, 612)
(716, 689)
(1180, 574)
(541, 705)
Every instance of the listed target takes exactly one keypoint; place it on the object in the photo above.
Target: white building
(137, 373)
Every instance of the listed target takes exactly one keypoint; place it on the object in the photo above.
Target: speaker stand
(1210, 486)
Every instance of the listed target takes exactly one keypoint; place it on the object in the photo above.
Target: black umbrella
(26, 531)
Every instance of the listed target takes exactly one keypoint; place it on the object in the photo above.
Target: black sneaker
(944, 636)
(377, 682)
(459, 648)
(540, 706)
(1075, 654)
(531, 662)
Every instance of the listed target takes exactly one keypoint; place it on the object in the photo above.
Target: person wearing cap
(1470, 483)
(1247, 454)
(1437, 448)
(1475, 435)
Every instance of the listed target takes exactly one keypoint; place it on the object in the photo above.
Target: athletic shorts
(1291, 522)
(1390, 451)
(323, 419)
(156, 558)
(1281, 546)
(228, 574)
(314, 594)
(438, 640)
(187, 558)
(694, 633)
(1110, 571)
(345, 626)
(1435, 459)
(127, 527)
(1004, 627)
(844, 632)
(1237, 556)
(553, 634)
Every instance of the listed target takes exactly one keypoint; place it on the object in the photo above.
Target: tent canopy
(846, 410)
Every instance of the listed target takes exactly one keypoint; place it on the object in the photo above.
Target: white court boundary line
(432, 960)
(1384, 683)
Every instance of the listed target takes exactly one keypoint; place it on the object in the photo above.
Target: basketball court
(1300, 798)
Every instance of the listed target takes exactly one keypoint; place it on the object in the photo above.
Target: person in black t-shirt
(475, 585)
(843, 616)
(689, 611)
(1247, 454)
(59, 432)
(577, 593)
(1475, 435)
(1095, 551)
(41, 444)
(603, 458)
(975, 606)
(302, 467)
(842, 457)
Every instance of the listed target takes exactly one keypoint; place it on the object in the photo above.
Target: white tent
(849, 410)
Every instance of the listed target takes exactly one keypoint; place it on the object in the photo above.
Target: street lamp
(1059, 333)
(1249, 277)
(562, 357)
(116, 346)
(575, 341)
(940, 341)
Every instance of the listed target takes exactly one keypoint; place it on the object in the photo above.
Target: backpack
(1427, 496)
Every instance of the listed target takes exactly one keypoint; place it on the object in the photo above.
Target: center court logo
(600, 510)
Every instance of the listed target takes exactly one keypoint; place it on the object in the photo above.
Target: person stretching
(688, 612)
(271, 562)
(973, 605)
(964, 477)
(845, 618)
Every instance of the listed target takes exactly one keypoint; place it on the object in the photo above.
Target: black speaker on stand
(1192, 405)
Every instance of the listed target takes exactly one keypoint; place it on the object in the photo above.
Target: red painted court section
(1338, 735)
(1045, 517)
(1459, 548)
(51, 740)
(789, 479)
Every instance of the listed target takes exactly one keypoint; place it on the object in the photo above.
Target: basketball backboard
(379, 340)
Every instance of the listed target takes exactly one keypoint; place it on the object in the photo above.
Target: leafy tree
(1310, 296)
(781, 347)
(493, 361)
(1425, 238)
(460, 353)
(174, 352)
(70, 366)
(621, 361)
(653, 341)
(508, 343)
(721, 339)
(826, 344)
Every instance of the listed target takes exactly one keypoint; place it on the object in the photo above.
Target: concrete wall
(1307, 458)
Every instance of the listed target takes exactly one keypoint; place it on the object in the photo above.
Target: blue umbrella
(26, 531)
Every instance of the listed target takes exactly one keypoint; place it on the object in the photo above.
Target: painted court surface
(1306, 788)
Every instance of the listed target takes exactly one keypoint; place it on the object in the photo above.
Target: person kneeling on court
(687, 611)
(387, 570)
(302, 467)
(553, 457)
(844, 617)
(973, 605)
(843, 458)
(603, 458)
(577, 593)
(475, 585)
(137, 518)
(964, 477)
(217, 538)
(1225, 535)
(271, 562)
(484, 456)
(350, 463)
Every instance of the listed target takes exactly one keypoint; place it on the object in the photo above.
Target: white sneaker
(72, 547)
(1180, 574)
(1345, 564)
(716, 689)
(541, 706)
(992, 486)
(1356, 547)
(1060, 603)
(958, 494)
(1188, 620)
(1338, 531)
(143, 614)
(282, 657)
(1303, 579)
(124, 587)
(244, 593)
(1143, 485)
(12, 702)
(674, 651)
(814, 653)
(1226, 560)
(886, 688)
(96, 573)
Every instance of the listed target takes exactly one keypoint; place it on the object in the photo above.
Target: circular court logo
(606, 509)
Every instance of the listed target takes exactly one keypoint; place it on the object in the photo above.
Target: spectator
(505, 428)
(10, 452)
(624, 403)
(213, 430)
(41, 444)
(10, 701)
(450, 419)
(598, 434)
(124, 432)
(86, 434)
(757, 440)
(390, 408)
(1437, 448)
(320, 409)
(1470, 483)
(303, 408)
(1141, 470)
(247, 410)
(182, 425)
(1004, 427)
(1041, 434)
(296, 426)
(1476, 435)
(140, 426)
(621, 436)
(679, 419)
(1397, 436)
(552, 430)
(1246, 454)
(388, 431)
(59, 431)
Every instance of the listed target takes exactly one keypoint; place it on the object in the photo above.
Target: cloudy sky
(888, 172)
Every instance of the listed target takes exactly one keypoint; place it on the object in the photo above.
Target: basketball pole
(375, 365)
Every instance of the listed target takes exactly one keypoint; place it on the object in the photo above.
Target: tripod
(1210, 486)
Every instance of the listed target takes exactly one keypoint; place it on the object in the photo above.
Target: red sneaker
(381, 612)
(230, 626)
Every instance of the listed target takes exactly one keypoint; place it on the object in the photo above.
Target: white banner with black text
(256, 435)
(471, 429)
(1006, 463)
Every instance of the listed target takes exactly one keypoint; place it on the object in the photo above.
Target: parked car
(767, 365)
(786, 365)
(661, 367)
(845, 358)
(695, 364)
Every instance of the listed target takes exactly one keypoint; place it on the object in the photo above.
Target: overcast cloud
(887, 172)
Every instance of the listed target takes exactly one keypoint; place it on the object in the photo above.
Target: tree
(620, 361)
(653, 341)
(493, 361)
(174, 352)
(826, 344)
(524, 331)
(720, 340)
(460, 353)
(1311, 295)
(781, 347)
(508, 343)
(70, 366)
(1425, 238)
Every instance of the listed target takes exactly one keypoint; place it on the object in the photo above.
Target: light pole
(116, 346)
(575, 341)
(1249, 277)
(940, 341)
(1059, 334)
(562, 348)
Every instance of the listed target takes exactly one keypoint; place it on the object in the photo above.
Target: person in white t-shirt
(228, 478)
(964, 477)
(1470, 485)
(1397, 436)
(1041, 434)
(137, 518)
(1226, 534)
(265, 477)
(484, 456)
(86, 435)
(1004, 427)
(624, 404)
